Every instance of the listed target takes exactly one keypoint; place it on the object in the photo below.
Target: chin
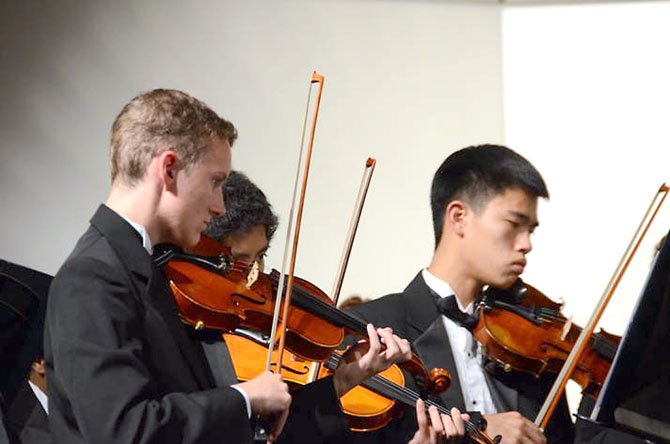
(189, 241)
(504, 282)
(194, 240)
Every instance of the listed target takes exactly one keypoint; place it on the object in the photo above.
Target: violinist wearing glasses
(484, 205)
(247, 229)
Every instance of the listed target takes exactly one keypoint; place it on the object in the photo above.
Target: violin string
(328, 311)
(552, 318)
(386, 387)
(551, 313)
(548, 315)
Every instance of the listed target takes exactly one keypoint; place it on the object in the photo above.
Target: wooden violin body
(523, 330)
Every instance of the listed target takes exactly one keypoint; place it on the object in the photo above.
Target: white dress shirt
(466, 351)
(146, 243)
(41, 396)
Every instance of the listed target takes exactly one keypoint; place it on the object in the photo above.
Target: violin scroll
(439, 380)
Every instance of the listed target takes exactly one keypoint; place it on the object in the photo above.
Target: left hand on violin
(367, 358)
(435, 427)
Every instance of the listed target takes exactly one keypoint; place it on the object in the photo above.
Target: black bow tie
(448, 306)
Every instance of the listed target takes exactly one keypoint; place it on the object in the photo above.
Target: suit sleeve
(98, 371)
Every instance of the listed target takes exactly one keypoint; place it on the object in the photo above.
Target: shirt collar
(443, 289)
(146, 242)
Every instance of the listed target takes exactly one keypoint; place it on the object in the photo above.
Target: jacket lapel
(429, 337)
(148, 280)
(435, 351)
(420, 307)
(161, 297)
(505, 398)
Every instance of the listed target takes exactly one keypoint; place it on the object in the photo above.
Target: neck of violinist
(448, 265)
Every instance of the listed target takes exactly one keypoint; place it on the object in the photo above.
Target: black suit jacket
(413, 315)
(23, 295)
(120, 365)
(28, 419)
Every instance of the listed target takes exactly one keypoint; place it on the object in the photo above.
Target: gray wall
(407, 82)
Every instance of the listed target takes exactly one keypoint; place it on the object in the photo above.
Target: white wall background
(407, 82)
(586, 99)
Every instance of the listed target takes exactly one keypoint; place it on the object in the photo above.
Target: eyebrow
(524, 218)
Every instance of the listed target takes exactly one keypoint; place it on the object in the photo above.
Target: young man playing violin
(247, 229)
(484, 205)
(120, 365)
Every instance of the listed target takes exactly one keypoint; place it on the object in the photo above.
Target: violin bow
(318, 79)
(348, 243)
(353, 227)
(582, 341)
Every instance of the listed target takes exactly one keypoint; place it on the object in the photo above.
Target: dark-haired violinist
(484, 206)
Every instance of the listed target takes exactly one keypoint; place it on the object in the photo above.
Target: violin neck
(328, 312)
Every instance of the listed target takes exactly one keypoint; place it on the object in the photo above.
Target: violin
(521, 329)
(369, 406)
(214, 291)
(365, 409)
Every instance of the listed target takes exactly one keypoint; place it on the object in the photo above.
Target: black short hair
(246, 207)
(476, 174)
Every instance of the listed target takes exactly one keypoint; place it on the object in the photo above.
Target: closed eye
(513, 223)
(217, 183)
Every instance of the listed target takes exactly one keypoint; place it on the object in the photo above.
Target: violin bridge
(252, 277)
(566, 328)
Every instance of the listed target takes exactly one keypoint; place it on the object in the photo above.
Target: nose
(218, 207)
(524, 244)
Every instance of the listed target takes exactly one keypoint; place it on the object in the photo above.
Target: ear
(455, 217)
(169, 165)
(38, 366)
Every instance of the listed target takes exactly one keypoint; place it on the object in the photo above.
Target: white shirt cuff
(246, 399)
